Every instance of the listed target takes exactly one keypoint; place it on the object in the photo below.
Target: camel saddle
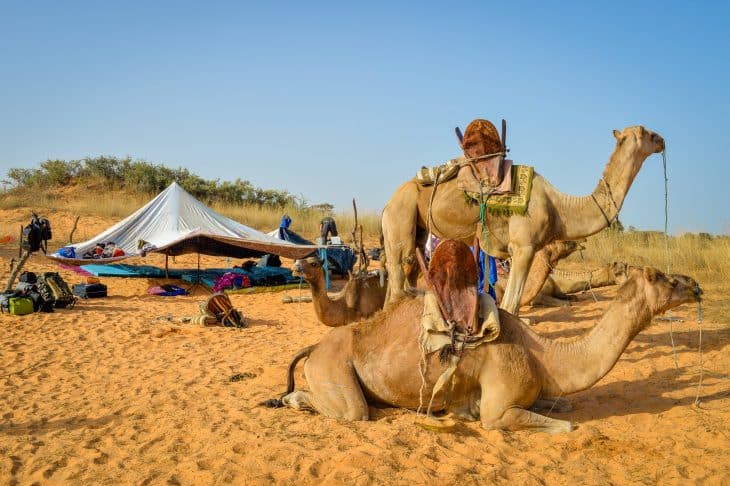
(453, 306)
(485, 168)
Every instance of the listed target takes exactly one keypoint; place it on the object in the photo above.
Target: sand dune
(116, 391)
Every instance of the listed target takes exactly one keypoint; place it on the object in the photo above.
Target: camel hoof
(436, 424)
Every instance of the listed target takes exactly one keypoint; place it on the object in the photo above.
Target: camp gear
(20, 306)
(27, 277)
(220, 306)
(67, 252)
(30, 290)
(92, 280)
(5, 296)
(167, 290)
(53, 288)
(31, 238)
(35, 236)
(90, 291)
(175, 223)
(374, 254)
(230, 280)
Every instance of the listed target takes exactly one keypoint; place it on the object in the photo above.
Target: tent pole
(167, 257)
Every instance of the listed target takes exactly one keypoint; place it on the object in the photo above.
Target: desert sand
(117, 390)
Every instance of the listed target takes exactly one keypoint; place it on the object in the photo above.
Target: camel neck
(572, 366)
(586, 215)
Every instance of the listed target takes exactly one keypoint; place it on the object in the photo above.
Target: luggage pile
(41, 292)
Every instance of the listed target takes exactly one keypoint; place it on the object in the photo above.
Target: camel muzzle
(659, 142)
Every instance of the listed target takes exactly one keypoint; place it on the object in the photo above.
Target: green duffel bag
(20, 306)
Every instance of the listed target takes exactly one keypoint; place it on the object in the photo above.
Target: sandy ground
(113, 392)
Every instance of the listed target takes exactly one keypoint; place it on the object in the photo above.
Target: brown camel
(362, 296)
(377, 361)
(563, 282)
(544, 262)
(551, 215)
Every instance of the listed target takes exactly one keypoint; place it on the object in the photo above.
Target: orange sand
(113, 392)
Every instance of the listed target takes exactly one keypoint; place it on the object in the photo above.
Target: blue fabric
(487, 274)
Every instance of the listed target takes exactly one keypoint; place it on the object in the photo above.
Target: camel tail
(277, 402)
(304, 353)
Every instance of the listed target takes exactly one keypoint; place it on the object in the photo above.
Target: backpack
(36, 235)
(30, 290)
(28, 277)
(31, 238)
(53, 288)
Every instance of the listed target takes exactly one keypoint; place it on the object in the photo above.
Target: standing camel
(551, 215)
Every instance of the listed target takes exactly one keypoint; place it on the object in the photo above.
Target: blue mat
(258, 275)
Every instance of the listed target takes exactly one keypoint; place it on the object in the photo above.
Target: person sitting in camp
(327, 227)
(94, 253)
(111, 251)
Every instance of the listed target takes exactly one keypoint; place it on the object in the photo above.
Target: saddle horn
(460, 137)
(504, 136)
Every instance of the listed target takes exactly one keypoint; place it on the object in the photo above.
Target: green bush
(144, 177)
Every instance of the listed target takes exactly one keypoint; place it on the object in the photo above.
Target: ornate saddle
(485, 168)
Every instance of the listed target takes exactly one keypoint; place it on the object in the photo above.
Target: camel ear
(617, 134)
(650, 274)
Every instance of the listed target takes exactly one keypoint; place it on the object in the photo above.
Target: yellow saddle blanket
(517, 199)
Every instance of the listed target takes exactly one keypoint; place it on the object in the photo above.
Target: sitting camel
(413, 210)
(378, 361)
(562, 283)
(544, 262)
(362, 296)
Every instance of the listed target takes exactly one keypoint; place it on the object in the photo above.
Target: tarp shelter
(175, 223)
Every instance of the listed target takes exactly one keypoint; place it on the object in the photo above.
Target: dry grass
(704, 258)
(701, 256)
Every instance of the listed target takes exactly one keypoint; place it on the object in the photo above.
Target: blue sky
(334, 101)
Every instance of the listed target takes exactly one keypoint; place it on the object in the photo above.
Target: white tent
(175, 223)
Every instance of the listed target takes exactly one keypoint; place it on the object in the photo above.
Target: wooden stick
(71, 235)
(15, 271)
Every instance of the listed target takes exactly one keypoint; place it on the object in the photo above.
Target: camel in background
(362, 296)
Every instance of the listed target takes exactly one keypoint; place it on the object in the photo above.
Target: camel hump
(481, 138)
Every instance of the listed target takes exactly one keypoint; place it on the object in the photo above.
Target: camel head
(659, 291)
(452, 275)
(310, 269)
(640, 139)
(619, 272)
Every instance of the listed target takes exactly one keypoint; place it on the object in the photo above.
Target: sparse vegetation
(74, 187)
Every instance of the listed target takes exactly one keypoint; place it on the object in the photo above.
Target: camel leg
(521, 261)
(334, 388)
(519, 419)
(554, 404)
(550, 301)
(399, 238)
